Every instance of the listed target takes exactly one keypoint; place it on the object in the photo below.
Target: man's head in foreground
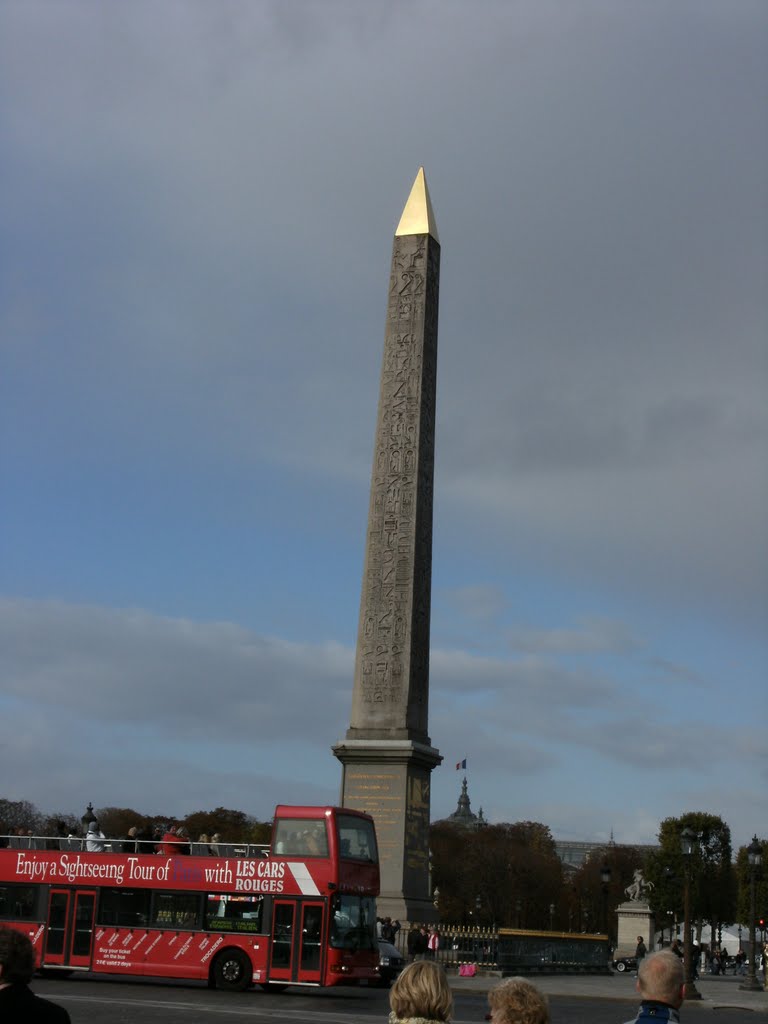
(660, 979)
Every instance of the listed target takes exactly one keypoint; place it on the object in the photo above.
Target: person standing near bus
(130, 842)
(420, 944)
(640, 952)
(94, 838)
(169, 842)
(17, 1001)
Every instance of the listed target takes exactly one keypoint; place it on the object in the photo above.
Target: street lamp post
(669, 879)
(605, 878)
(754, 851)
(688, 839)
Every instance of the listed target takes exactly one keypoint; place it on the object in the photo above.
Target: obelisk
(387, 756)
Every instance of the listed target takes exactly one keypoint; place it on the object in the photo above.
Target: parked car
(391, 962)
(625, 963)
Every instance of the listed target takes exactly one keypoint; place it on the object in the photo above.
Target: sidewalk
(717, 991)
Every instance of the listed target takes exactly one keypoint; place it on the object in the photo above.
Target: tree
(115, 821)
(15, 814)
(589, 908)
(453, 873)
(506, 874)
(60, 822)
(260, 831)
(712, 879)
(233, 826)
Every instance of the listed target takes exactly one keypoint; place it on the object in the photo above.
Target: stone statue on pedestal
(639, 888)
(635, 917)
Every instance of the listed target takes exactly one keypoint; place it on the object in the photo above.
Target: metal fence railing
(510, 951)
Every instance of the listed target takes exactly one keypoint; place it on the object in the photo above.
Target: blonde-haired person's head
(517, 1001)
(421, 990)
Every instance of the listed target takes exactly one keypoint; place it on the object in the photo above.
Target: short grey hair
(660, 976)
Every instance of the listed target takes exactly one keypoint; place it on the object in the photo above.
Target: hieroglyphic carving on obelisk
(387, 754)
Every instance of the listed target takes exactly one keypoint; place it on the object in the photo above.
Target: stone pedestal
(635, 918)
(391, 781)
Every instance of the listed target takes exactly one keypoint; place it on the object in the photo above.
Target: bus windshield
(300, 837)
(357, 838)
(353, 925)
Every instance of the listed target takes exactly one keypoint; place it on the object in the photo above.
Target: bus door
(297, 941)
(69, 932)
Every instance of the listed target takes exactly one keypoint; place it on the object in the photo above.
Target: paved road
(598, 1001)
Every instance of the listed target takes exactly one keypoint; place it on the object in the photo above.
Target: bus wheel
(233, 971)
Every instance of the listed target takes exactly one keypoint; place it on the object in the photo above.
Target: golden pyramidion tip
(418, 217)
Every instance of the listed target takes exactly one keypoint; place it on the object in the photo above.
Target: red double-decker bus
(299, 912)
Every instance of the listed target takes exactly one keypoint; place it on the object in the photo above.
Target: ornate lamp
(605, 878)
(754, 857)
(688, 842)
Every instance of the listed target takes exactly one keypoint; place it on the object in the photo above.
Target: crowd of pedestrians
(423, 944)
(171, 840)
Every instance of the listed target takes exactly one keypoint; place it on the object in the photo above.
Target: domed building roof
(463, 817)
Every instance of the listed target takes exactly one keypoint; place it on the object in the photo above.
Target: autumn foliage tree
(231, 825)
(16, 814)
(591, 903)
(115, 821)
(505, 874)
(712, 877)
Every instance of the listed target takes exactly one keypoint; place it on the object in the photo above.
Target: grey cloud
(671, 671)
(212, 680)
(479, 601)
(215, 709)
(590, 636)
(584, 370)
(531, 679)
(73, 760)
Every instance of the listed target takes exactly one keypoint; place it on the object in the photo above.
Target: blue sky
(197, 208)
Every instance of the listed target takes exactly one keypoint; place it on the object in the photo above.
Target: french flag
(461, 764)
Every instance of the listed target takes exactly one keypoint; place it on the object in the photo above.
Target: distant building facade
(572, 853)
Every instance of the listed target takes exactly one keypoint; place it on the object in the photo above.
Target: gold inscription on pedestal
(380, 794)
(417, 822)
